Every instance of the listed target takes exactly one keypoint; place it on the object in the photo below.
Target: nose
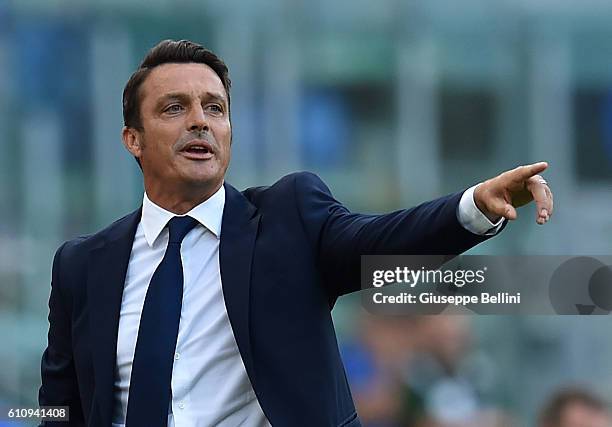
(197, 119)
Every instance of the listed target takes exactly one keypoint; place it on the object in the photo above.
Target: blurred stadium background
(391, 102)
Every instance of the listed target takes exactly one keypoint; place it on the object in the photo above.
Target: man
(575, 407)
(209, 306)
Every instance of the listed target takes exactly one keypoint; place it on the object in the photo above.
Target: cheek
(225, 140)
(228, 152)
(159, 156)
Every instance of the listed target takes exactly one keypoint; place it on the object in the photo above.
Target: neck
(179, 201)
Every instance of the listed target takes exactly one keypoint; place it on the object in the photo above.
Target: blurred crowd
(419, 371)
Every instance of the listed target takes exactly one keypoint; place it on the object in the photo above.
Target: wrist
(479, 197)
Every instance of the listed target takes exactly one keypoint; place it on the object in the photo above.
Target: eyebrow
(184, 97)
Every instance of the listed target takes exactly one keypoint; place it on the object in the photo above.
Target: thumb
(509, 212)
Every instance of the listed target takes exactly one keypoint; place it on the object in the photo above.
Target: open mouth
(198, 150)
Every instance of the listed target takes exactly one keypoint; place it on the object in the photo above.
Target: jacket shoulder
(287, 185)
(82, 244)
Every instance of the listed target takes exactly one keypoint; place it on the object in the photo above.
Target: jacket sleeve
(59, 382)
(340, 237)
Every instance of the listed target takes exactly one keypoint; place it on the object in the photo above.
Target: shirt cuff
(472, 219)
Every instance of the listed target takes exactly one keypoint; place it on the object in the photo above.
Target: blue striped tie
(150, 393)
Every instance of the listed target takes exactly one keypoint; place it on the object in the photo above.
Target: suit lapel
(108, 265)
(238, 234)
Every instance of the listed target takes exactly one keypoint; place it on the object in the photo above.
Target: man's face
(580, 415)
(186, 136)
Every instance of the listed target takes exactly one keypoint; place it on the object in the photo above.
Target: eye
(173, 108)
(215, 108)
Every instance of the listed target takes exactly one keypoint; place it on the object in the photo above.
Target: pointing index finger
(523, 173)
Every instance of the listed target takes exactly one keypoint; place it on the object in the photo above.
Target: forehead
(190, 78)
(577, 413)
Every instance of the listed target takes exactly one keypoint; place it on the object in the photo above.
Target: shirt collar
(209, 213)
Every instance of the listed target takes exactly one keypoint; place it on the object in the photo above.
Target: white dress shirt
(210, 386)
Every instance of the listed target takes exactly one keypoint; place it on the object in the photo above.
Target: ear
(132, 140)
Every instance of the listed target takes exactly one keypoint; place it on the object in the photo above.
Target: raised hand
(500, 196)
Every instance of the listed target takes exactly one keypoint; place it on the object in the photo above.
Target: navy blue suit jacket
(287, 252)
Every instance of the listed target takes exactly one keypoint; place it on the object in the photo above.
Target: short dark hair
(167, 52)
(553, 411)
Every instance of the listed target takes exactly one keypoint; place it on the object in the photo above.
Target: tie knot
(179, 226)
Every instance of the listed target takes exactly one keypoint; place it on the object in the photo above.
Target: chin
(203, 180)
